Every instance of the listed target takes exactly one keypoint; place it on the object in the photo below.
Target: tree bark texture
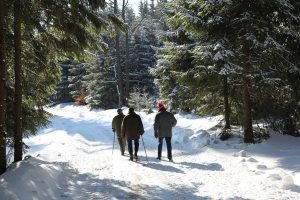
(118, 62)
(2, 89)
(126, 56)
(247, 119)
(226, 102)
(18, 138)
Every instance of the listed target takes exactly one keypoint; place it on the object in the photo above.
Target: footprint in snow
(259, 173)
(274, 177)
(262, 167)
(241, 153)
(251, 159)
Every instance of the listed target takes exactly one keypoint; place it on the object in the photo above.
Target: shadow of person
(162, 167)
(209, 166)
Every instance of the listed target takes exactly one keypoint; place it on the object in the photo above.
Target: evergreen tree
(77, 71)
(100, 83)
(143, 9)
(251, 33)
(62, 90)
(51, 30)
(136, 58)
(142, 59)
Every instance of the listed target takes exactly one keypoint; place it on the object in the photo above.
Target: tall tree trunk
(18, 143)
(119, 69)
(247, 119)
(126, 56)
(152, 7)
(127, 66)
(2, 89)
(226, 102)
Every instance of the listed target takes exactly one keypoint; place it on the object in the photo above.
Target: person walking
(163, 123)
(116, 127)
(132, 128)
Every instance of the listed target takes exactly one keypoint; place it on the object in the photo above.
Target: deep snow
(72, 159)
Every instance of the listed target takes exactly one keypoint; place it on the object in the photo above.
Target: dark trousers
(136, 145)
(169, 146)
(122, 143)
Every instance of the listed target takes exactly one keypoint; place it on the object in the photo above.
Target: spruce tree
(51, 31)
(101, 84)
(254, 32)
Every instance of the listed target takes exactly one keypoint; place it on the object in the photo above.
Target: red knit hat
(160, 105)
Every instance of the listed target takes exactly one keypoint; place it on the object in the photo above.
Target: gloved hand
(113, 130)
(155, 134)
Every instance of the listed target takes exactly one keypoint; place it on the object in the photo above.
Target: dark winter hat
(160, 105)
(120, 111)
(131, 110)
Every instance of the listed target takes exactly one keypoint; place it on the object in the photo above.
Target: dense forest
(238, 58)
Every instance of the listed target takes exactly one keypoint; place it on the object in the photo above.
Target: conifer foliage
(44, 33)
(241, 48)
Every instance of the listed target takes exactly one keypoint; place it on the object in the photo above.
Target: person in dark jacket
(132, 128)
(116, 127)
(163, 123)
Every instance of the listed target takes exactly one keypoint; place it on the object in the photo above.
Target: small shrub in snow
(260, 135)
(225, 134)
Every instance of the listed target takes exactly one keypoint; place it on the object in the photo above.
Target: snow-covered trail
(78, 147)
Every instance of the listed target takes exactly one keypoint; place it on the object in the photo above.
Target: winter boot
(131, 157)
(135, 156)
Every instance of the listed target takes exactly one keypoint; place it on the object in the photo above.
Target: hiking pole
(113, 144)
(144, 147)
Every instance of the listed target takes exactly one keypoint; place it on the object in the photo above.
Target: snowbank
(73, 159)
(32, 179)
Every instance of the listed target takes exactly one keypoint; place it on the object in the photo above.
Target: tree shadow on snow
(72, 185)
(294, 188)
(209, 166)
(237, 198)
(91, 187)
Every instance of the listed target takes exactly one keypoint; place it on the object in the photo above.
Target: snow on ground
(72, 159)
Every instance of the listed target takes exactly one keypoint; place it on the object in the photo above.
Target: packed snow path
(72, 159)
